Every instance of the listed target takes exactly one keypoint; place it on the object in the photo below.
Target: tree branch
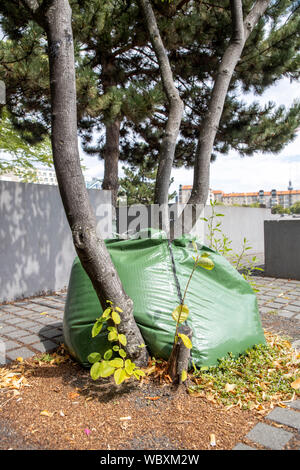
(240, 33)
(175, 110)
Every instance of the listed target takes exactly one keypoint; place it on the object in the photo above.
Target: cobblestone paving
(31, 327)
(279, 431)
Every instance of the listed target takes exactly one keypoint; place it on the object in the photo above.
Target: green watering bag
(223, 308)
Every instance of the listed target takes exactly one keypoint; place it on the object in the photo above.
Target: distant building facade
(36, 175)
(267, 198)
(43, 176)
(185, 192)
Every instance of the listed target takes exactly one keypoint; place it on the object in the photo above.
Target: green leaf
(186, 340)
(122, 353)
(112, 336)
(116, 347)
(119, 309)
(142, 345)
(180, 313)
(112, 328)
(96, 328)
(122, 339)
(108, 354)
(106, 313)
(96, 370)
(117, 362)
(183, 375)
(138, 373)
(106, 369)
(206, 263)
(116, 318)
(119, 376)
(129, 367)
(94, 357)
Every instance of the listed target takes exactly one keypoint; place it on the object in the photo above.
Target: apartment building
(266, 198)
(185, 192)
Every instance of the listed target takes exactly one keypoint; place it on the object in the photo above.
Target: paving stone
(292, 308)
(36, 307)
(9, 308)
(14, 320)
(51, 333)
(54, 322)
(45, 346)
(16, 334)
(59, 339)
(297, 317)
(286, 314)
(48, 304)
(285, 416)
(30, 339)
(294, 404)
(296, 344)
(269, 436)
(36, 328)
(267, 310)
(6, 329)
(20, 352)
(11, 345)
(44, 319)
(273, 305)
(28, 324)
(241, 446)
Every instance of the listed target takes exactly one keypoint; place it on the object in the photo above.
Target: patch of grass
(259, 379)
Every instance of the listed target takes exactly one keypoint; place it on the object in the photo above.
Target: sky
(231, 173)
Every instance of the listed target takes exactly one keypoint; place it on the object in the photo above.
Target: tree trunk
(111, 151)
(240, 33)
(180, 356)
(168, 144)
(111, 159)
(90, 248)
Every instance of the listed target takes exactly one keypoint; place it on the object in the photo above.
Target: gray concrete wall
(36, 249)
(282, 248)
(237, 223)
(243, 222)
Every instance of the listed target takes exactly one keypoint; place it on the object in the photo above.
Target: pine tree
(118, 82)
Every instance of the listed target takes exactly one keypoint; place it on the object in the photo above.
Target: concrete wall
(243, 222)
(238, 223)
(36, 249)
(282, 248)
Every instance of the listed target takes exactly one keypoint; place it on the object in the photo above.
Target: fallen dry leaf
(46, 413)
(296, 384)
(152, 398)
(230, 387)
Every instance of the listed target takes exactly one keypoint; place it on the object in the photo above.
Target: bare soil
(78, 413)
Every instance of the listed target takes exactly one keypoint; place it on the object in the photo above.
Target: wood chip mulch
(60, 407)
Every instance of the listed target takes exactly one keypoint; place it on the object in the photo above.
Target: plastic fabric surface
(223, 308)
